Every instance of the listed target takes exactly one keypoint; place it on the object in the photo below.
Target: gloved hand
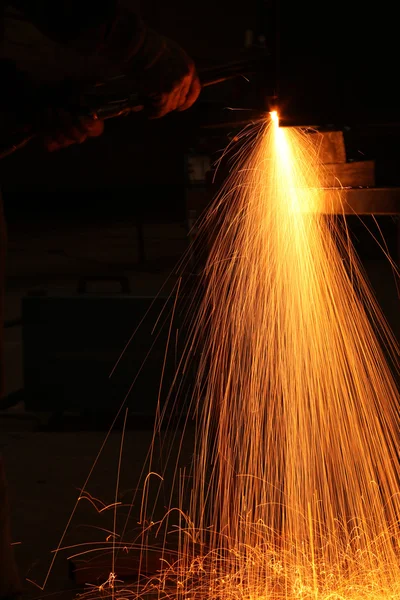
(57, 127)
(29, 108)
(169, 80)
(62, 130)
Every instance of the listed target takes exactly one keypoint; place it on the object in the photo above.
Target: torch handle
(131, 101)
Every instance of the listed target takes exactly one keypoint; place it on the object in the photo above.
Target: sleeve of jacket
(67, 20)
(113, 28)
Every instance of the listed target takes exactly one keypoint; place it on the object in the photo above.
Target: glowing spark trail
(295, 476)
(298, 424)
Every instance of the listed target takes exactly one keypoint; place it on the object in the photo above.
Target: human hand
(170, 81)
(63, 130)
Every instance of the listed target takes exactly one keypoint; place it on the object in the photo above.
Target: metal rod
(131, 101)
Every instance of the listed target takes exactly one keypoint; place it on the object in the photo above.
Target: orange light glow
(297, 407)
(294, 488)
(274, 117)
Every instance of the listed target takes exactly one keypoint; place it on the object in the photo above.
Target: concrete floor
(46, 472)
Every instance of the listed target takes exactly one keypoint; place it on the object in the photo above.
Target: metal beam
(363, 201)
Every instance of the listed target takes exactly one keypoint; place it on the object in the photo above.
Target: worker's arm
(164, 74)
(68, 20)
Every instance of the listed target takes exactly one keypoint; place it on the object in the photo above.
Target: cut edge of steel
(362, 201)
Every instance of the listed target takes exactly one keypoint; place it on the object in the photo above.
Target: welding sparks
(274, 117)
(295, 478)
(298, 407)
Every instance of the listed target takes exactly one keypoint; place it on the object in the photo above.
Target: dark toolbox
(73, 343)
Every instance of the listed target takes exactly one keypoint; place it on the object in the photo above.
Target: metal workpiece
(362, 201)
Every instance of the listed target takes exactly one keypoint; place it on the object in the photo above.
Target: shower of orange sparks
(295, 475)
(298, 429)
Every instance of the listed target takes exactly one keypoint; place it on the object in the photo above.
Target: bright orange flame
(296, 477)
(298, 408)
(274, 117)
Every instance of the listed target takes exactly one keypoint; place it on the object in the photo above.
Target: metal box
(72, 344)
